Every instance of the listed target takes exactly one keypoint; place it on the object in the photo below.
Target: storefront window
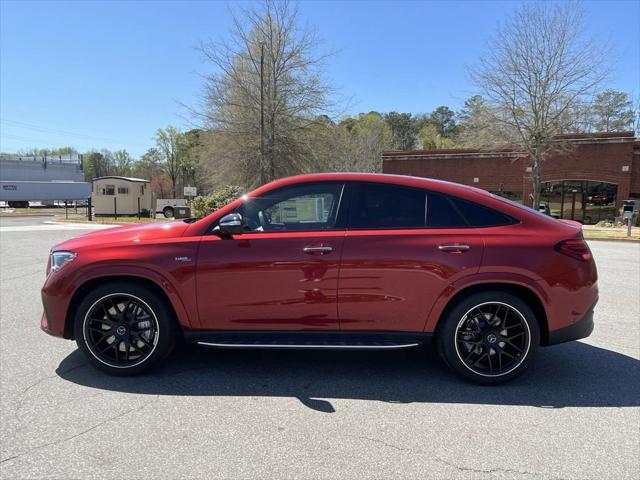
(585, 201)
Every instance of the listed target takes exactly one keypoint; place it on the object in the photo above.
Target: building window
(141, 189)
(583, 200)
(109, 190)
(123, 190)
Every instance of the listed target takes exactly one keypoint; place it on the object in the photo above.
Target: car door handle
(318, 250)
(454, 247)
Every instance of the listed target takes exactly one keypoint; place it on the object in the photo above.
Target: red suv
(345, 261)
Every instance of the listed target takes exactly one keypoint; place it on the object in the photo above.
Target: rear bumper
(580, 329)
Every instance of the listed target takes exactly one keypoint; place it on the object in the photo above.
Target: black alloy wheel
(121, 330)
(488, 337)
(124, 328)
(492, 339)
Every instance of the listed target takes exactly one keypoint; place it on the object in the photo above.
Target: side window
(376, 205)
(441, 213)
(109, 189)
(123, 190)
(309, 207)
(481, 216)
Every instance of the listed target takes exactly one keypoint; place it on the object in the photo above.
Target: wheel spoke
(496, 316)
(509, 355)
(100, 330)
(106, 348)
(117, 351)
(478, 360)
(473, 350)
(115, 306)
(513, 346)
(515, 336)
(142, 339)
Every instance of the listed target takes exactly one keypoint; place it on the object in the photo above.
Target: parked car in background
(345, 261)
(166, 206)
(544, 208)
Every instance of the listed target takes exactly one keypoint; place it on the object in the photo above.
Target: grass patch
(609, 234)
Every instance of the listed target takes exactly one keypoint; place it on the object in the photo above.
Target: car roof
(410, 181)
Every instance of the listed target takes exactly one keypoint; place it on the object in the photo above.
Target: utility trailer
(19, 193)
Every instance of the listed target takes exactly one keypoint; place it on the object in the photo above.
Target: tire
(488, 337)
(131, 340)
(168, 212)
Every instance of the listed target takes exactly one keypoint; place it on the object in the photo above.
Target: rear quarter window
(442, 213)
(480, 216)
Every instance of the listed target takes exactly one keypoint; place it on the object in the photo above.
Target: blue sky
(108, 74)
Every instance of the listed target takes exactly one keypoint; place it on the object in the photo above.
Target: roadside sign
(190, 191)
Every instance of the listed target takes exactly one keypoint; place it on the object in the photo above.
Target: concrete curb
(631, 240)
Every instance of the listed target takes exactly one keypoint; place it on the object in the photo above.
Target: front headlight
(59, 259)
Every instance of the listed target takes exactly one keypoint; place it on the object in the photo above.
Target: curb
(631, 240)
(83, 224)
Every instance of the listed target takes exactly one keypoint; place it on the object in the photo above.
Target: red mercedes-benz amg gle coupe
(331, 261)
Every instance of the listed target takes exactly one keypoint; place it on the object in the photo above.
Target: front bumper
(580, 329)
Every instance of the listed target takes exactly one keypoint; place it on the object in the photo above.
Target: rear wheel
(489, 337)
(123, 328)
(168, 212)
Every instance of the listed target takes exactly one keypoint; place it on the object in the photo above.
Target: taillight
(576, 248)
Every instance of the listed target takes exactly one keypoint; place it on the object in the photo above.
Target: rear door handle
(318, 250)
(454, 247)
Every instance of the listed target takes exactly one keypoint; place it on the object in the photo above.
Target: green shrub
(202, 206)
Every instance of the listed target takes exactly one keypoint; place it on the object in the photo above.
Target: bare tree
(266, 91)
(636, 119)
(538, 67)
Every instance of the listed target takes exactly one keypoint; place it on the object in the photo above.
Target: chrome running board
(310, 346)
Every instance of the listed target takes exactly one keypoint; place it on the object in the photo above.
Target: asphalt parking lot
(254, 414)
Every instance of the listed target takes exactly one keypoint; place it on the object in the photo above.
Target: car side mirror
(231, 224)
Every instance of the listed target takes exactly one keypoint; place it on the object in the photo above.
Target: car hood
(129, 233)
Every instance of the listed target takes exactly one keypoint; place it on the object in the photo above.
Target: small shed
(113, 195)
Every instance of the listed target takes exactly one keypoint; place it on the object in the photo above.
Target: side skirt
(309, 340)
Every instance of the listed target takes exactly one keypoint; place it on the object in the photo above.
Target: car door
(403, 247)
(282, 273)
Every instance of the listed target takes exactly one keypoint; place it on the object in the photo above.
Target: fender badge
(182, 259)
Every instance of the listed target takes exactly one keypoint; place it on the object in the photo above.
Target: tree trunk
(537, 177)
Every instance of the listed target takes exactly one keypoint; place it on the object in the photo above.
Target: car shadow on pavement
(571, 375)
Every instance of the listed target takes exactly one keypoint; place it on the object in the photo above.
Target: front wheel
(123, 328)
(489, 337)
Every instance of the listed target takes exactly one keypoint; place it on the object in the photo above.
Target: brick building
(586, 181)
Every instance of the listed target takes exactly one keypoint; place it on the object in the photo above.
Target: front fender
(165, 284)
(492, 278)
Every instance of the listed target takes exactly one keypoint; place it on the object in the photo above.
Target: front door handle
(454, 247)
(318, 250)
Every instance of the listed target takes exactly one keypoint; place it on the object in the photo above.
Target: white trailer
(19, 193)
